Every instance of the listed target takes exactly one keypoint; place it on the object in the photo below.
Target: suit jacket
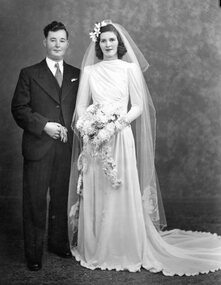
(38, 99)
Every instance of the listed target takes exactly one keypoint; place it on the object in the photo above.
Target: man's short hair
(53, 27)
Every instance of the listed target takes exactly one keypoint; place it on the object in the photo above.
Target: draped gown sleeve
(135, 94)
(143, 119)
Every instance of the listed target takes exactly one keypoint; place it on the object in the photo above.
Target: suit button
(57, 106)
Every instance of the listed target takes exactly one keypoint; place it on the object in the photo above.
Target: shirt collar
(51, 64)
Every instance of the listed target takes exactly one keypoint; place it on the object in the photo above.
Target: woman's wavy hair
(121, 49)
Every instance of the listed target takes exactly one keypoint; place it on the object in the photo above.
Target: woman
(116, 212)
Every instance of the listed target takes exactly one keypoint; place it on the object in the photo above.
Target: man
(43, 105)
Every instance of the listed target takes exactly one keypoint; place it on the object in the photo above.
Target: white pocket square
(74, 79)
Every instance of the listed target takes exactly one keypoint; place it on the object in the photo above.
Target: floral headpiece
(97, 27)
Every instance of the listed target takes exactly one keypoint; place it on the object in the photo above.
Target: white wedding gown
(113, 232)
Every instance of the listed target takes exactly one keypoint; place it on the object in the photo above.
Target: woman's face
(109, 44)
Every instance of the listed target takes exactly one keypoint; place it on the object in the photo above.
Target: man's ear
(44, 42)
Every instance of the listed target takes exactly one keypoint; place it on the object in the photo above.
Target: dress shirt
(51, 65)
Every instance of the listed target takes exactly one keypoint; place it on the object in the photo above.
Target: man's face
(56, 44)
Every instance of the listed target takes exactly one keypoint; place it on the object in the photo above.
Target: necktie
(58, 74)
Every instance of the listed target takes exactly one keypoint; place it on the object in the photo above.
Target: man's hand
(56, 131)
(53, 130)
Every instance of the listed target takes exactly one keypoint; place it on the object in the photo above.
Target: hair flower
(96, 30)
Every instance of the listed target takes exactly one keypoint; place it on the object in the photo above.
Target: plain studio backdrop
(181, 40)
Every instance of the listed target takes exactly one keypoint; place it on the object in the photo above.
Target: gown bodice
(109, 83)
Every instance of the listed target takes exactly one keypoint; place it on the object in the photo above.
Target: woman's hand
(121, 123)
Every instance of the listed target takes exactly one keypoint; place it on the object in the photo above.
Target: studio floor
(188, 214)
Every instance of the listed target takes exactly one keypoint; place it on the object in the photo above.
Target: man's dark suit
(38, 99)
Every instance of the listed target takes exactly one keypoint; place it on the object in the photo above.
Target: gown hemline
(138, 267)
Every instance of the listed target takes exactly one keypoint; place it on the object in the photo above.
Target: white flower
(102, 119)
(74, 210)
(110, 128)
(91, 108)
(96, 31)
(103, 135)
(85, 139)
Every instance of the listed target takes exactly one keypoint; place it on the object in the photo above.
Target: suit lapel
(47, 81)
(67, 81)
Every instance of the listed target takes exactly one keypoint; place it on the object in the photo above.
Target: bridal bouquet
(96, 127)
